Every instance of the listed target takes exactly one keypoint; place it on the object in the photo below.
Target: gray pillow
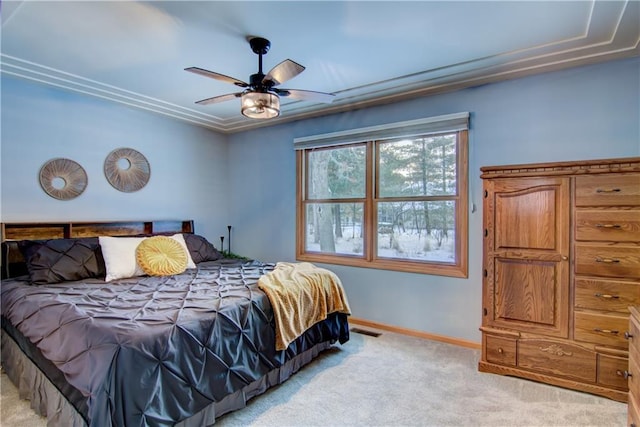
(201, 249)
(13, 264)
(62, 260)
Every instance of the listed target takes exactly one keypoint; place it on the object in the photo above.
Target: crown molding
(610, 32)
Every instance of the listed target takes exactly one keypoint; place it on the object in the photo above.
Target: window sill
(436, 269)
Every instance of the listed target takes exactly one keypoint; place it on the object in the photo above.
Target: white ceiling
(364, 52)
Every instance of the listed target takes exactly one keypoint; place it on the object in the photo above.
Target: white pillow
(180, 239)
(119, 255)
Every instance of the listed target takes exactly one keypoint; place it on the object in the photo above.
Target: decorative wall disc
(63, 179)
(127, 170)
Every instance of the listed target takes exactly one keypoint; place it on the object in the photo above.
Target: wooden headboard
(69, 230)
(12, 262)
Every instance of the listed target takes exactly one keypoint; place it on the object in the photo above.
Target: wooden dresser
(634, 367)
(561, 267)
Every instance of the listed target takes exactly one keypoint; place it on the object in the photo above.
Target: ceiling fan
(261, 97)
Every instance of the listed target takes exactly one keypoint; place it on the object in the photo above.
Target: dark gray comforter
(151, 351)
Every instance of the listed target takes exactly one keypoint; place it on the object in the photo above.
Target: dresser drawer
(606, 295)
(614, 225)
(608, 190)
(599, 328)
(607, 260)
(501, 350)
(633, 381)
(611, 371)
(634, 340)
(633, 417)
(561, 359)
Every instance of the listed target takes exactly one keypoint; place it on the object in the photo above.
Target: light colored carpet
(394, 380)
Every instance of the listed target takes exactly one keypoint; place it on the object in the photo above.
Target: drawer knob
(627, 375)
(606, 296)
(608, 260)
(500, 350)
(617, 226)
(608, 190)
(606, 331)
(628, 335)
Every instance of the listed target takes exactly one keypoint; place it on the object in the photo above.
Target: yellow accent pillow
(161, 256)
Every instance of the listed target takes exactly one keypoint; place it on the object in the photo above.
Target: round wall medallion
(63, 179)
(127, 170)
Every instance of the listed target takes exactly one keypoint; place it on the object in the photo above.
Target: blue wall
(583, 113)
(188, 163)
(248, 179)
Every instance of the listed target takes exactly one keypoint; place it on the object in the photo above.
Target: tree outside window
(396, 203)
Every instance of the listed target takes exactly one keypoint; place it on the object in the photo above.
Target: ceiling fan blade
(282, 72)
(220, 98)
(217, 76)
(307, 95)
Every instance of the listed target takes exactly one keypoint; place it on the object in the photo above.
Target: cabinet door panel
(527, 248)
(525, 291)
(526, 219)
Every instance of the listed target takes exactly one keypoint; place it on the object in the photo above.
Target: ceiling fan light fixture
(260, 105)
(260, 99)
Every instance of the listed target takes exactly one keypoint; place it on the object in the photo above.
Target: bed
(165, 350)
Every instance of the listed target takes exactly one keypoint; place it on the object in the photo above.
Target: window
(390, 197)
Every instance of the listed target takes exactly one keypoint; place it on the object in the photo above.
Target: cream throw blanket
(301, 295)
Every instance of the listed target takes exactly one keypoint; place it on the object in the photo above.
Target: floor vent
(365, 332)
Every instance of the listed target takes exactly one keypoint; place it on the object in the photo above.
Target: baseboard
(414, 333)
